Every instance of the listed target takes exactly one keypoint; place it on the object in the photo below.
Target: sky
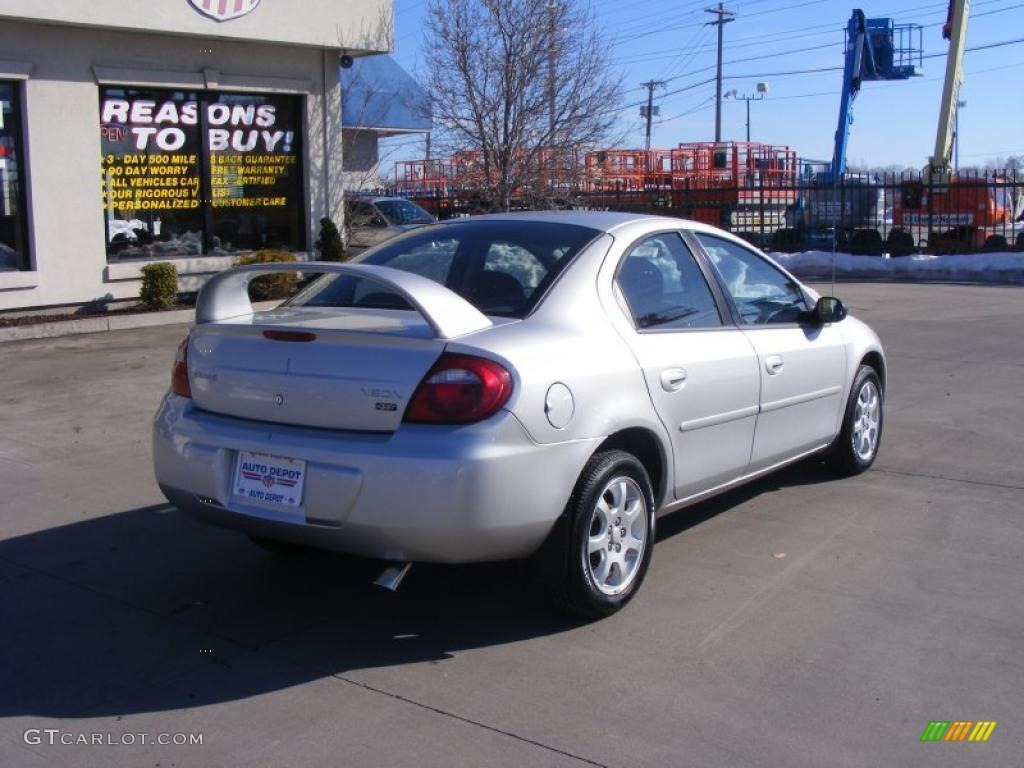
(895, 122)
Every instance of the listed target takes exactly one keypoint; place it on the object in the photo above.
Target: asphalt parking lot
(802, 621)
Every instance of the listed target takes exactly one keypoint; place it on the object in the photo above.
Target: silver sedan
(372, 220)
(536, 385)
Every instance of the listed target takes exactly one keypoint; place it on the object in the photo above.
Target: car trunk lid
(320, 368)
(329, 367)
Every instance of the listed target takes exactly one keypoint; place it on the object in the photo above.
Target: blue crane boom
(876, 49)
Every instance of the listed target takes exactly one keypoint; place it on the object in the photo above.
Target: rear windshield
(502, 268)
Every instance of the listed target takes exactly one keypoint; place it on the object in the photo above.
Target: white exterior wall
(62, 68)
(357, 25)
(362, 159)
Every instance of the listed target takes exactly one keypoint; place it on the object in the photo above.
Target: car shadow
(148, 611)
(807, 472)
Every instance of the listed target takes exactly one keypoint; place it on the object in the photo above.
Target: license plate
(267, 479)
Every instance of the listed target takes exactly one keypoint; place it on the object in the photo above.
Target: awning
(378, 95)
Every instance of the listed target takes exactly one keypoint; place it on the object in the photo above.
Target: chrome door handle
(673, 379)
(774, 364)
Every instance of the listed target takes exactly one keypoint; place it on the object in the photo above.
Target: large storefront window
(200, 173)
(13, 225)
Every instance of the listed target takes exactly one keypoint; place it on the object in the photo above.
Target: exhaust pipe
(391, 577)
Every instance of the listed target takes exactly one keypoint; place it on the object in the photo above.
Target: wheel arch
(875, 360)
(648, 449)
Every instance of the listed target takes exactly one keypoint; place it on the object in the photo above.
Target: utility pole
(650, 85)
(724, 17)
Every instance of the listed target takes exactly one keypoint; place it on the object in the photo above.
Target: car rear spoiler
(226, 295)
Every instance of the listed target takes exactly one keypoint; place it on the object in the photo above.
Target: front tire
(607, 551)
(855, 449)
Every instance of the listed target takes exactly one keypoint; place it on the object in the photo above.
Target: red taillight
(460, 389)
(179, 372)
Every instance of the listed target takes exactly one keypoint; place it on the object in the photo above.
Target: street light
(761, 89)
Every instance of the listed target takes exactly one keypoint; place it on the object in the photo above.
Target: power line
(771, 55)
(699, 107)
(707, 102)
(901, 83)
(816, 70)
(828, 45)
(814, 30)
(786, 73)
(645, 27)
(687, 53)
(684, 89)
(1018, 41)
(785, 8)
(628, 31)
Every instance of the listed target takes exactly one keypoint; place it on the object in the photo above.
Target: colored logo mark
(224, 10)
(958, 730)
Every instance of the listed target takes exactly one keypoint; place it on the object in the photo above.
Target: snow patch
(995, 267)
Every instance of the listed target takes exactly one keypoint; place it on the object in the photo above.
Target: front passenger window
(762, 294)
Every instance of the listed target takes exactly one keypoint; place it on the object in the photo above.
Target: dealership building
(187, 131)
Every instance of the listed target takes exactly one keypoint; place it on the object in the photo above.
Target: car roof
(375, 199)
(606, 221)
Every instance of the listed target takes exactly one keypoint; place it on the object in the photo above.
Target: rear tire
(608, 538)
(855, 449)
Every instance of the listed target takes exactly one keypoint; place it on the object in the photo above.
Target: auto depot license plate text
(268, 479)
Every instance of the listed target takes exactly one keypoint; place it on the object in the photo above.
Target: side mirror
(829, 309)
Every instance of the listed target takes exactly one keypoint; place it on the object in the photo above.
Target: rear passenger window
(664, 287)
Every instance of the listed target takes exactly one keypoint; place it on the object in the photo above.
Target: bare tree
(523, 87)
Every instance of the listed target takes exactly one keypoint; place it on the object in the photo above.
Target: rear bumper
(423, 493)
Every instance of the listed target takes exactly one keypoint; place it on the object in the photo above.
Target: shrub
(159, 285)
(330, 246)
(279, 285)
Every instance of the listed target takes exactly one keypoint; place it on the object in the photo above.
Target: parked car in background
(534, 385)
(371, 220)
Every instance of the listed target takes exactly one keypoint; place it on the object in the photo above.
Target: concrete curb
(103, 324)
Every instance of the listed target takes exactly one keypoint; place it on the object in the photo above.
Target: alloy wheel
(866, 422)
(618, 535)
